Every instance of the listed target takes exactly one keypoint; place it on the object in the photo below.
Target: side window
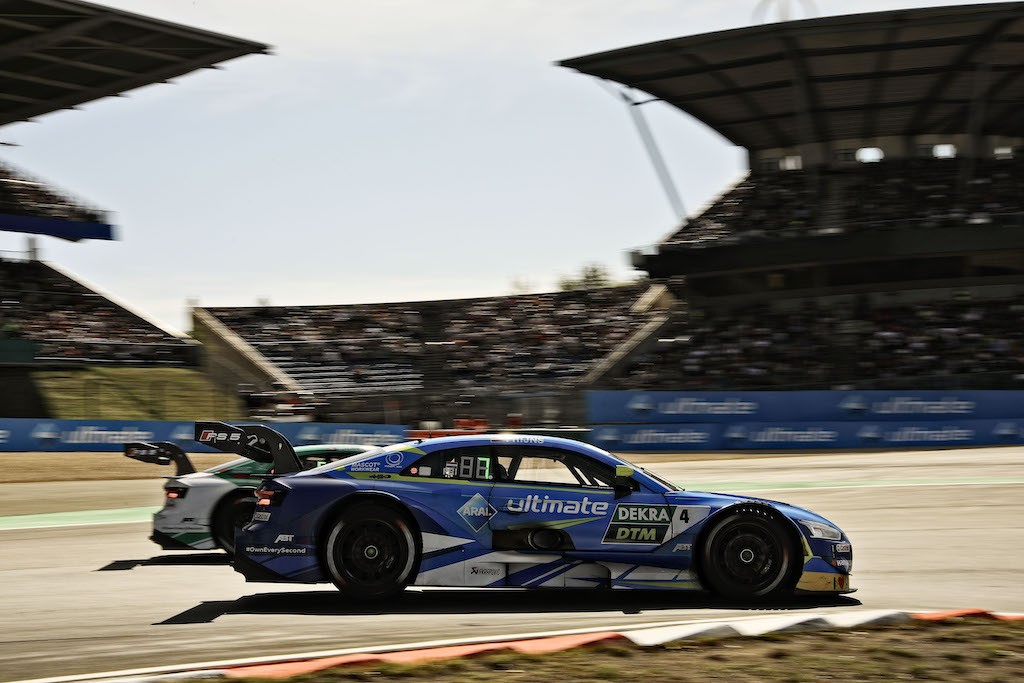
(544, 468)
(473, 462)
(542, 465)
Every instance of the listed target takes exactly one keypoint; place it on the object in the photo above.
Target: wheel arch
(335, 511)
(795, 537)
(228, 499)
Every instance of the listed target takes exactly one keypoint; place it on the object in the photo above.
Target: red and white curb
(644, 635)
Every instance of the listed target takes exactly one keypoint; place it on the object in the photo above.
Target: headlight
(822, 530)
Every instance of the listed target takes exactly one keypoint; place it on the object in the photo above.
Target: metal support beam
(980, 42)
(130, 83)
(48, 37)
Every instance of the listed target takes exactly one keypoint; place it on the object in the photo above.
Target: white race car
(202, 509)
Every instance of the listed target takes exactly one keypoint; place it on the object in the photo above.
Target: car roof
(498, 439)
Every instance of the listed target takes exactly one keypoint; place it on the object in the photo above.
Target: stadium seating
(25, 196)
(866, 196)
(336, 351)
(525, 343)
(941, 345)
(515, 343)
(75, 324)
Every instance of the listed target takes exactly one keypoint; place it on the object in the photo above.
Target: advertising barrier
(664, 421)
(109, 435)
(794, 435)
(815, 406)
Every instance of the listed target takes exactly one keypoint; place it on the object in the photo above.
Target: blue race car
(508, 510)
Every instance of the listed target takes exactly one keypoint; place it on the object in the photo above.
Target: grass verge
(972, 650)
(98, 393)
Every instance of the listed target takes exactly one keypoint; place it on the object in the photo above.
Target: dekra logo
(657, 514)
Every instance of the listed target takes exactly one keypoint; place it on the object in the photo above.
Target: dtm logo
(286, 538)
(208, 435)
(476, 512)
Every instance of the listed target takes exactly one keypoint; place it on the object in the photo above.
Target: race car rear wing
(256, 442)
(160, 453)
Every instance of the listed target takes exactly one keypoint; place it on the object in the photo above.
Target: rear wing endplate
(256, 442)
(160, 453)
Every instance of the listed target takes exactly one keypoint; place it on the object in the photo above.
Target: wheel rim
(372, 552)
(748, 554)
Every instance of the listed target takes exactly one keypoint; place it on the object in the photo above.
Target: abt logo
(285, 538)
(208, 435)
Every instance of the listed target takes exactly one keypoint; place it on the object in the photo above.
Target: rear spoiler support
(160, 453)
(256, 442)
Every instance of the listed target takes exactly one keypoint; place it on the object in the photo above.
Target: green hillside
(103, 393)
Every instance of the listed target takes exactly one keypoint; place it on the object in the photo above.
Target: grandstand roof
(55, 54)
(895, 73)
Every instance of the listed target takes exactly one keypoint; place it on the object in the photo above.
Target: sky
(393, 150)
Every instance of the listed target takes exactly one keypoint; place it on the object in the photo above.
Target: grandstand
(877, 239)
(491, 355)
(54, 327)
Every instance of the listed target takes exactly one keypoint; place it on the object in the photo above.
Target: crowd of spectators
(24, 196)
(924, 193)
(834, 347)
(933, 192)
(73, 323)
(782, 204)
(336, 350)
(530, 342)
(515, 343)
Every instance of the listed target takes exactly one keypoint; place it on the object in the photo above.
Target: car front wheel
(371, 552)
(749, 555)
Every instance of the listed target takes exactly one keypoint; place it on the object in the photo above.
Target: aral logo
(476, 512)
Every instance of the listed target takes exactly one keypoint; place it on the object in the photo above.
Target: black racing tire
(231, 515)
(750, 555)
(370, 553)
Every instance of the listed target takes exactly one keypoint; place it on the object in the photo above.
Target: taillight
(269, 497)
(175, 492)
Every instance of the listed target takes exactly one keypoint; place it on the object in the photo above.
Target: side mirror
(624, 484)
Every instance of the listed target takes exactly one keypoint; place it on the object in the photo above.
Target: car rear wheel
(230, 516)
(749, 555)
(371, 552)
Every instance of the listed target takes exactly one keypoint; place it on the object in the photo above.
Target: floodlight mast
(761, 10)
(653, 152)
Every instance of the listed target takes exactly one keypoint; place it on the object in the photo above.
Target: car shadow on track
(491, 601)
(187, 560)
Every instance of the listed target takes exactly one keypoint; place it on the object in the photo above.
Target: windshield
(660, 479)
(656, 477)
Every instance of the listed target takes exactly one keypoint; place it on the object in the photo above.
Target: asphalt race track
(930, 530)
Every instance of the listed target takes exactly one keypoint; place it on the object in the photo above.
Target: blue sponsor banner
(813, 435)
(659, 407)
(658, 437)
(109, 435)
